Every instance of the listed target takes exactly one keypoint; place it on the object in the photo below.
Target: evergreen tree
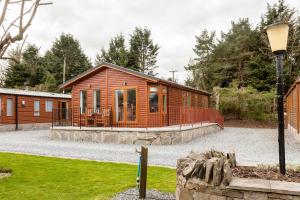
(68, 48)
(143, 52)
(116, 53)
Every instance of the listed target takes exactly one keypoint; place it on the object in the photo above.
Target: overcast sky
(174, 24)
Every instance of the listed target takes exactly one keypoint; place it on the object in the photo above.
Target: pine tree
(66, 47)
(143, 52)
(116, 53)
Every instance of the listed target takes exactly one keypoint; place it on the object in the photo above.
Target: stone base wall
(294, 133)
(31, 126)
(133, 137)
(239, 189)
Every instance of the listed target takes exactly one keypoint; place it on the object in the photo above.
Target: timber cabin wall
(26, 112)
(107, 80)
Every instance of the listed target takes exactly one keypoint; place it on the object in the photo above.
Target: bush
(247, 103)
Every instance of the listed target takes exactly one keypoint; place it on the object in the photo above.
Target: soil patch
(268, 173)
(249, 124)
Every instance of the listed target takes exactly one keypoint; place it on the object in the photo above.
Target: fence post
(143, 180)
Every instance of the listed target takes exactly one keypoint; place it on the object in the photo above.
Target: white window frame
(47, 104)
(36, 110)
(9, 110)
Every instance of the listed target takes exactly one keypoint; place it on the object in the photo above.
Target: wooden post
(143, 178)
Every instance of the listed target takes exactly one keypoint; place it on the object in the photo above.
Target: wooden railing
(127, 117)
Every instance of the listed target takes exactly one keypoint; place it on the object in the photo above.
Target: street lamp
(278, 37)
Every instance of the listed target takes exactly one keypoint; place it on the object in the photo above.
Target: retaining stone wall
(254, 189)
(133, 137)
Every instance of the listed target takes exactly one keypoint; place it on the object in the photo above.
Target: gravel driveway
(252, 146)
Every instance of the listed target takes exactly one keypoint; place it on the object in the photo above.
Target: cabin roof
(33, 93)
(132, 72)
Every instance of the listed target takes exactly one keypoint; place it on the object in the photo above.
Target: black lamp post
(278, 36)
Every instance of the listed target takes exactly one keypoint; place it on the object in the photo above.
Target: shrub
(247, 103)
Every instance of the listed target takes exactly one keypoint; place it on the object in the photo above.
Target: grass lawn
(43, 178)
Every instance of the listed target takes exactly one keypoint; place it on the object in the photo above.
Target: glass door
(125, 105)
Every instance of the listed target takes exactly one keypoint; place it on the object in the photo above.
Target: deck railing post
(143, 178)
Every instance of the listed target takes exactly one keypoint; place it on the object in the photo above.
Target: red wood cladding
(293, 107)
(26, 112)
(108, 80)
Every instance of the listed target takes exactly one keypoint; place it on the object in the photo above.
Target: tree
(27, 71)
(116, 53)
(199, 68)
(143, 52)
(13, 29)
(242, 55)
(68, 48)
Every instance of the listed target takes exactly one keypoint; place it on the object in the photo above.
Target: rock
(232, 159)
(189, 169)
(209, 164)
(227, 173)
(197, 156)
(199, 165)
(218, 172)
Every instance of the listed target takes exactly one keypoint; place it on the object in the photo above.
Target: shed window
(9, 107)
(36, 111)
(48, 105)
(153, 100)
(96, 100)
(82, 101)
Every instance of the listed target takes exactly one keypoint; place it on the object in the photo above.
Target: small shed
(24, 109)
(112, 95)
(293, 109)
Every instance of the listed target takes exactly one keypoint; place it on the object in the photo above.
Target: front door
(125, 105)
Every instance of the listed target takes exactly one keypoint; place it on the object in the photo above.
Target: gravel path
(252, 146)
(133, 194)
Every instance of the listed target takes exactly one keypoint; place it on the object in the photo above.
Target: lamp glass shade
(278, 36)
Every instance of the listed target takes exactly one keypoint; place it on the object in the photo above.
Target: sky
(173, 23)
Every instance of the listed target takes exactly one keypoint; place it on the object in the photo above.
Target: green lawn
(43, 178)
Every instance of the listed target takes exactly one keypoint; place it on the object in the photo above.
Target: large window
(82, 101)
(9, 107)
(153, 100)
(36, 111)
(48, 105)
(96, 100)
(131, 105)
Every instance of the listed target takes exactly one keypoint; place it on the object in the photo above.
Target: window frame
(153, 92)
(11, 108)
(36, 113)
(46, 105)
(81, 104)
(95, 102)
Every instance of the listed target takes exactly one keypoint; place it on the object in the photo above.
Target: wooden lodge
(111, 95)
(24, 108)
(293, 109)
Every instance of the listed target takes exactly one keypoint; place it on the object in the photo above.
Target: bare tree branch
(8, 38)
(4, 11)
